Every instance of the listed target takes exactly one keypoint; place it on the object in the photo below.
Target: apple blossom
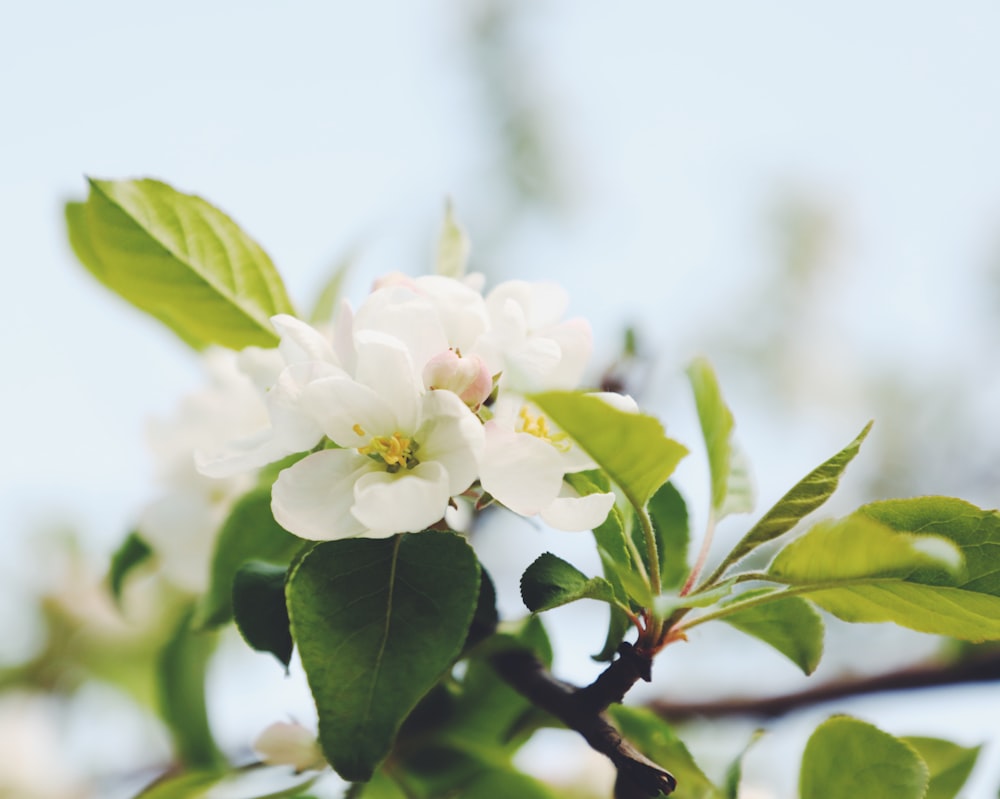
(402, 453)
(289, 744)
(465, 375)
(525, 458)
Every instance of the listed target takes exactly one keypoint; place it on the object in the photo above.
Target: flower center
(394, 451)
(538, 426)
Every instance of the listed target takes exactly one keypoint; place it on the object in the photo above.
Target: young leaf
(656, 739)
(631, 447)
(847, 759)
(250, 782)
(181, 260)
(325, 306)
(976, 532)
(249, 533)
(805, 497)
(133, 552)
(949, 764)
(180, 672)
(260, 611)
(734, 774)
(453, 246)
(550, 582)
(863, 571)
(732, 491)
(377, 622)
(668, 512)
(790, 625)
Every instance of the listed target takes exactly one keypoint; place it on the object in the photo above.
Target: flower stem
(652, 553)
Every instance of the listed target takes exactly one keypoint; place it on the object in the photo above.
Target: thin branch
(582, 710)
(978, 668)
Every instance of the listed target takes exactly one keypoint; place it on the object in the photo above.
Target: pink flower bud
(465, 375)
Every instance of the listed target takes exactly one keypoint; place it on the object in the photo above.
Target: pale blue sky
(676, 128)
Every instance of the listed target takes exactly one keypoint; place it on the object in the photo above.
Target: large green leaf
(806, 496)
(976, 532)
(656, 739)
(505, 783)
(949, 764)
(862, 571)
(377, 623)
(250, 533)
(790, 625)
(550, 582)
(631, 447)
(181, 260)
(849, 759)
(732, 491)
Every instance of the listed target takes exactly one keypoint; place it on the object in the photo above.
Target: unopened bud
(465, 375)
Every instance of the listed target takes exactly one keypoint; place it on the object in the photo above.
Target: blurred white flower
(289, 744)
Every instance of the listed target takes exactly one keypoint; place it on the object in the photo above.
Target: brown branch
(973, 669)
(581, 709)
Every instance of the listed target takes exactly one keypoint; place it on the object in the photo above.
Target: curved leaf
(631, 447)
(847, 759)
(181, 260)
(806, 496)
(550, 582)
(260, 611)
(377, 623)
(791, 625)
(950, 764)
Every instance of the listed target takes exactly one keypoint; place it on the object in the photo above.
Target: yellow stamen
(396, 450)
(538, 426)
(359, 430)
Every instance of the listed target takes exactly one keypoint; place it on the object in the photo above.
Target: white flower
(307, 355)
(403, 452)
(182, 522)
(525, 459)
(289, 744)
(528, 343)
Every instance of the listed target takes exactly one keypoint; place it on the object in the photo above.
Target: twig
(978, 668)
(582, 710)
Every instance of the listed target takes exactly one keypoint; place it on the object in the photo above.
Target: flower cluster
(417, 397)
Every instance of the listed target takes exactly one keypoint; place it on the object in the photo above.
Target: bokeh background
(809, 196)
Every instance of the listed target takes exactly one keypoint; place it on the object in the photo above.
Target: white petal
(301, 342)
(520, 470)
(450, 435)
(385, 365)
(313, 497)
(574, 513)
(340, 404)
(406, 502)
(244, 455)
(576, 343)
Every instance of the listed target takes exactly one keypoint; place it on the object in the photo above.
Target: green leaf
(179, 259)
(656, 739)
(505, 783)
(377, 623)
(806, 496)
(251, 782)
(260, 610)
(848, 759)
(862, 571)
(550, 582)
(790, 625)
(133, 552)
(949, 764)
(668, 512)
(453, 246)
(250, 533)
(485, 619)
(180, 672)
(858, 547)
(976, 532)
(631, 447)
(734, 774)
(732, 491)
